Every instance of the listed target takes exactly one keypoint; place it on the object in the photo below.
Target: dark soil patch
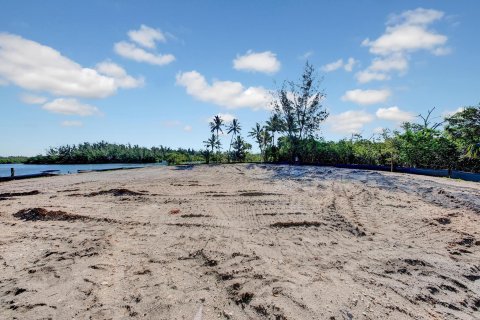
(292, 224)
(257, 194)
(69, 190)
(416, 262)
(19, 194)
(188, 225)
(467, 242)
(195, 216)
(115, 192)
(472, 277)
(443, 220)
(40, 214)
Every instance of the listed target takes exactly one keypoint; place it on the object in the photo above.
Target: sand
(240, 242)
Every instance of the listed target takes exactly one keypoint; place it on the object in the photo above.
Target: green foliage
(464, 128)
(240, 149)
(13, 159)
(103, 152)
(298, 110)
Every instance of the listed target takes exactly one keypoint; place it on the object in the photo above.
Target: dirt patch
(195, 216)
(257, 194)
(292, 224)
(19, 194)
(40, 214)
(443, 220)
(121, 192)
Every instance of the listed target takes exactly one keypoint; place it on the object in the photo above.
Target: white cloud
(33, 66)
(408, 32)
(367, 76)
(122, 79)
(146, 36)
(131, 51)
(32, 99)
(187, 128)
(366, 97)
(349, 122)
(306, 55)
(405, 34)
(442, 51)
(394, 62)
(3, 82)
(226, 117)
(332, 66)
(348, 66)
(394, 114)
(228, 94)
(70, 107)
(71, 123)
(265, 62)
(450, 113)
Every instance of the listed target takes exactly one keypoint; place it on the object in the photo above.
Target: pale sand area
(249, 242)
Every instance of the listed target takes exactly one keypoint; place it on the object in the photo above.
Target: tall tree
(464, 128)
(274, 124)
(261, 136)
(216, 125)
(299, 106)
(234, 128)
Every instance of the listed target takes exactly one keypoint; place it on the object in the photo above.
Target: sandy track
(249, 242)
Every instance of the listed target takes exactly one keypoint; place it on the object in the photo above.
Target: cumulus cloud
(70, 106)
(408, 32)
(146, 36)
(187, 128)
(228, 94)
(348, 122)
(394, 62)
(122, 79)
(71, 123)
(265, 62)
(394, 114)
(367, 76)
(33, 66)
(405, 34)
(366, 97)
(131, 51)
(332, 66)
(226, 117)
(32, 99)
(348, 66)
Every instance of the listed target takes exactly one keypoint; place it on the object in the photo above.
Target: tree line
(291, 135)
(104, 152)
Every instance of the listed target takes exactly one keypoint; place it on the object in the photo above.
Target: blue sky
(151, 72)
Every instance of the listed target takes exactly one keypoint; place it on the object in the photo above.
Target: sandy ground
(240, 242)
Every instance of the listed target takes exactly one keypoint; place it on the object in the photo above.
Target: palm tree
(274, 124)
(258, 133)
(216, 125)
(211, 142)
(234, 129)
